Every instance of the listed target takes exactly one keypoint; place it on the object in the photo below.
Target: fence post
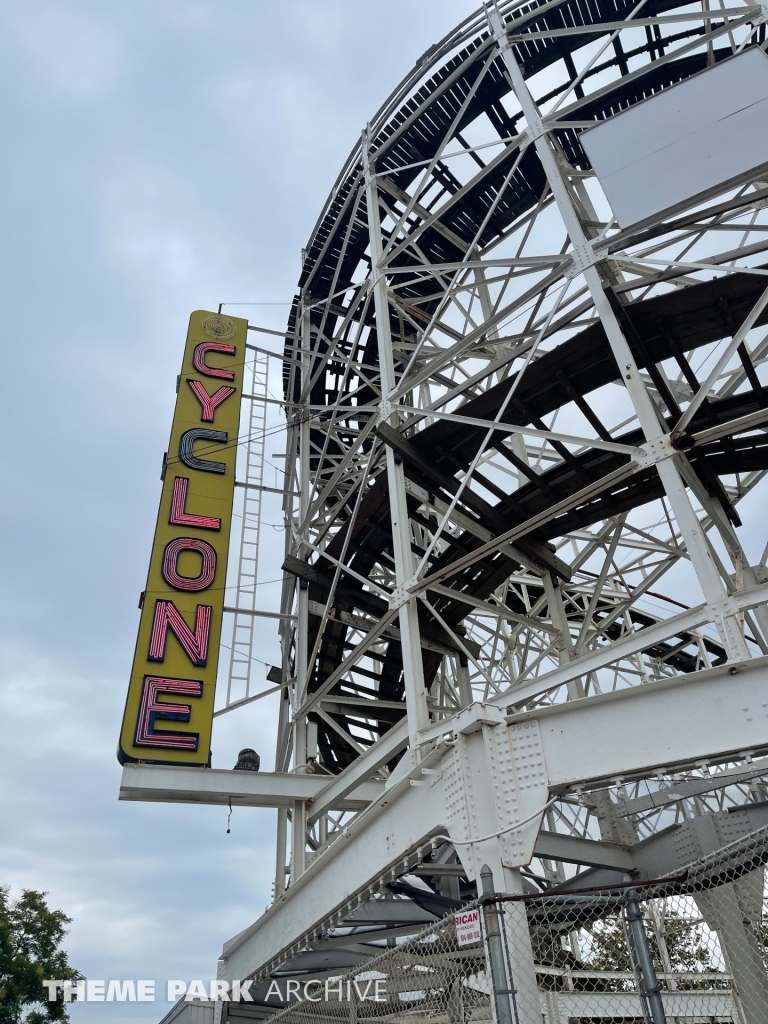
(650, 993)
(501, 991)
(352, 1003)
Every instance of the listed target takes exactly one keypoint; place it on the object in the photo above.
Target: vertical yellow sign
(169, 710)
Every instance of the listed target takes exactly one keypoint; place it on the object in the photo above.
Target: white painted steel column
(557, 614)
(695, 539)
(282, 758)
(732, 910)
(413, 670)
(302, 630)
(518, 935)
(516, 440)
(299, 812)
(298, 839)
(280, 850)
(300, 744)
(463, 682)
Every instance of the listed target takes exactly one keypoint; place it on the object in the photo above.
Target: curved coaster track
(535, 535)
(524, 604)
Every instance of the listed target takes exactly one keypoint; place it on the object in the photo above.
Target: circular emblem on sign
(219, 326)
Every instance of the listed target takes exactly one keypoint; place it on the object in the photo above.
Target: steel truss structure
(518, 623)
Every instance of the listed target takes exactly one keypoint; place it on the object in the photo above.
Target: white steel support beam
(713, 714)
(663, 853)
(389, 746)
(573, 850)
(299, 808)
(281, 848)
(584, 258)
(602, 657)
(298, 838)
(413, 670)
(717, 712)
(166, 784)
(364, 850)
(300, 728)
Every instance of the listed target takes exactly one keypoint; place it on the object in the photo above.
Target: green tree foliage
(686, 946)
(30, 952)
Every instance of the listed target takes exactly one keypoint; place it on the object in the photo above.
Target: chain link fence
(636, 954)
(686, 950)
(427, 977)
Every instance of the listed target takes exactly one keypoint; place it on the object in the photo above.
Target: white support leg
(304, 501)
(464, 685)
(521, 963)
(526, 1008)
(281, 846)
(298, 839)
(413, 671)
(559, 620)
(299, 818)
(302, 630)
(729, 910)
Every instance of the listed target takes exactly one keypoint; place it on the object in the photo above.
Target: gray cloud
(159, 157)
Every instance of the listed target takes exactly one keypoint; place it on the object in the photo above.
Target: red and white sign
(468, 927)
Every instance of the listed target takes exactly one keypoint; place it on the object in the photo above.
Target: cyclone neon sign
(169, 709)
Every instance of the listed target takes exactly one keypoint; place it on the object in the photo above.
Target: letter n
(167, 616)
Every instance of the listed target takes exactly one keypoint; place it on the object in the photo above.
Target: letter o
(171, 559)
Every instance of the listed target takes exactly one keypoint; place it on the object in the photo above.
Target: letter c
(186, 455)
(199, 363)
(307, 996)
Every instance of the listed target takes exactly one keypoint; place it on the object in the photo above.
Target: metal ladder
(248, 565)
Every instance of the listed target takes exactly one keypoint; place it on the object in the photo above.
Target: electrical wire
(495, 835)
(208, 590)
(213, 449)
(251, 658)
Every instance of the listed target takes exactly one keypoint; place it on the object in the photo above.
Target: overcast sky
(159, 156)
